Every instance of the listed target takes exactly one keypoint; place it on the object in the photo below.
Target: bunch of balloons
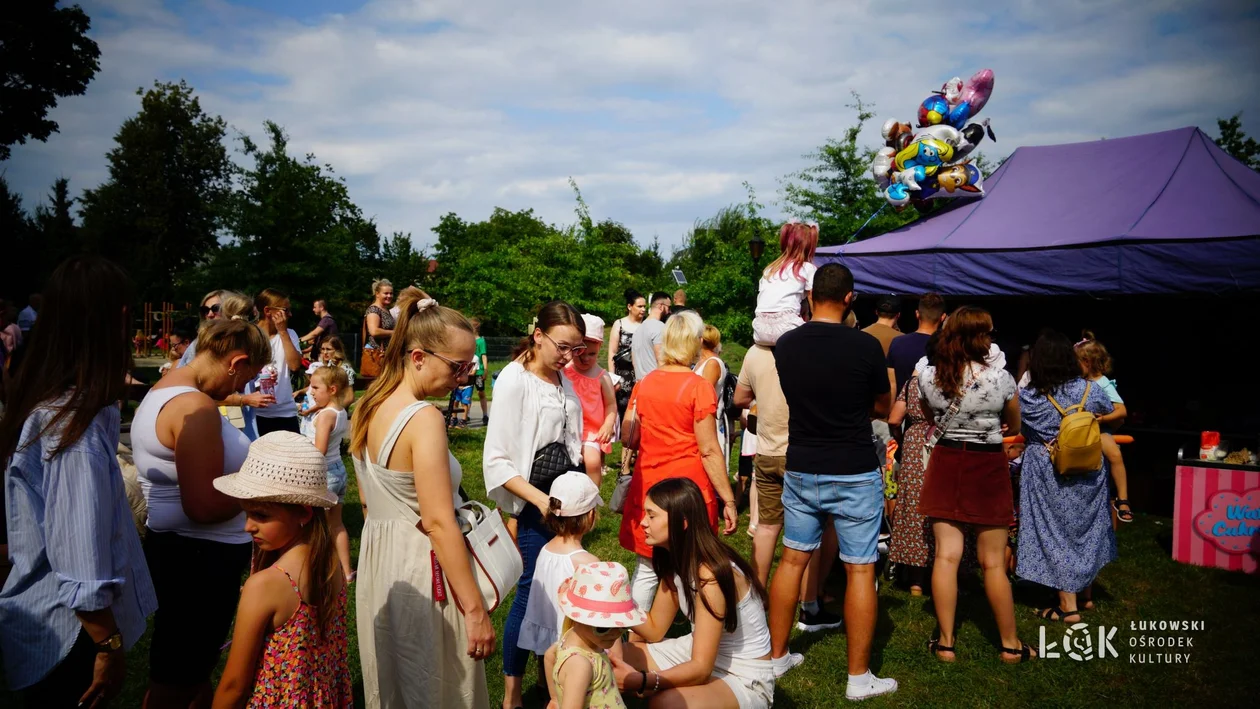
(930, 163)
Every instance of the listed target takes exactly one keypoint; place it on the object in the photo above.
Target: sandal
(935, 647)
(1126, 514)
(1058, 614)
(1024, 653)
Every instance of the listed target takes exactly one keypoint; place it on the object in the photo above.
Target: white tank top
(159, 480)
(751, 639)
(340, 428)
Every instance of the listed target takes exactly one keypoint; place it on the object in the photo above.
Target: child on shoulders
(786, 283)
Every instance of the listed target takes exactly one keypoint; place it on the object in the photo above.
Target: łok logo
(1078, 643)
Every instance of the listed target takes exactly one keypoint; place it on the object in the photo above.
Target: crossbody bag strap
(952, 411)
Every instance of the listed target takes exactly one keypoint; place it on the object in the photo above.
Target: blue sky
(659, 109)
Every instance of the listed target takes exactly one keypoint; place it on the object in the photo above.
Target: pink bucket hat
(599, 595)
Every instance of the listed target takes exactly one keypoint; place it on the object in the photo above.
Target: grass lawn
(1144, 585)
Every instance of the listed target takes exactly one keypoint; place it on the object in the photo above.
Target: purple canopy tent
(1163, 213)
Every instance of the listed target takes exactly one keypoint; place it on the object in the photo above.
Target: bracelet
(656, 686)
(643, 686)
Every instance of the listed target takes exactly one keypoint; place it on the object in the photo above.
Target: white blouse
(529, 413)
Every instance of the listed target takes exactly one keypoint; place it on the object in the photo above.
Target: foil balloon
(944, 133)
(896, 135)
(960, 180)
(924, 156)
(881, 166)
(977, 90)
(933, 111)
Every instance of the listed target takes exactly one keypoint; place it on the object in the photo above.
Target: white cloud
(660, 110)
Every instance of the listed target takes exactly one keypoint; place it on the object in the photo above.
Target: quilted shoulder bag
(552, 460)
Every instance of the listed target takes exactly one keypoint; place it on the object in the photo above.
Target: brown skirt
(966, 486)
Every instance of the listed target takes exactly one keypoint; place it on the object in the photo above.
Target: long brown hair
(79, 347)
(550, 316)
(321, 560)
(964, 339)
(695, 545)
(416, 329)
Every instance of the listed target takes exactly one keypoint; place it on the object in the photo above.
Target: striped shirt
(73, 544)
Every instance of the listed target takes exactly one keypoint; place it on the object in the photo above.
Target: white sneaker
(785, 663)
(876, 687)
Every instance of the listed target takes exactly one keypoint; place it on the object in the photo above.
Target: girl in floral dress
(289, 647)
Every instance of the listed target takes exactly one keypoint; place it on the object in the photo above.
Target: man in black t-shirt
(835, 381)
(326, 328)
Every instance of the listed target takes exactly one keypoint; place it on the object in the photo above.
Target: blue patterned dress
(1065, 534)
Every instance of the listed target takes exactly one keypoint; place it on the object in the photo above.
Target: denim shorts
(337, 480)
(855, 503)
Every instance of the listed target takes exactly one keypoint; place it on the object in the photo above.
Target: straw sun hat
(281, 467)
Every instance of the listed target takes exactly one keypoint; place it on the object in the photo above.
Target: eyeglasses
(206, 310)
(601, 632)
(565, 349)
(178, 344)
(459, 369)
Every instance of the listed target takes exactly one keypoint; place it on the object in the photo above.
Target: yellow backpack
(1078, 448)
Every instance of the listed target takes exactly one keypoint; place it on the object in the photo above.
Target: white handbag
(495, 560)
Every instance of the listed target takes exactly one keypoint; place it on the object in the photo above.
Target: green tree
(45, 54)
(160, 212)
(1235, 142)
(295, 228)
(402, 263)
(21, 246)
(721, 274)
(58, 234)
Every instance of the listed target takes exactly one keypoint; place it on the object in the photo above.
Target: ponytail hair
(422, 324)
(323, 565)
(555, 314)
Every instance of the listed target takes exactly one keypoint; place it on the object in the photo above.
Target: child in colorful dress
(786, 283)
(594, 389)
(325, 426)
(597, 607)
(289, 647)
(574, 498)
(1096, 365)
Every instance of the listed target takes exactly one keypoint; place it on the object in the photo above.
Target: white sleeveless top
(340, 428)
(159, 480)
(543, 619)
(751, 639)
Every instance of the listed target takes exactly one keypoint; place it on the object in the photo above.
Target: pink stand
(1216, 517)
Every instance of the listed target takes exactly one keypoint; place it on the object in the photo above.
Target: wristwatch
(110, 644)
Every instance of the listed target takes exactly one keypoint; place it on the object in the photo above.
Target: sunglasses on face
(207, 309)
(459, 369)
(564, 350)
(603, 632)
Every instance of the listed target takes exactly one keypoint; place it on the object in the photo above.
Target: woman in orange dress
(675, 408)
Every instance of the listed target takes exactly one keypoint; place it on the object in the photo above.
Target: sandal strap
(934, 645)
(1024, 651)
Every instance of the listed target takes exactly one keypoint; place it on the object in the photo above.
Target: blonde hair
(428, 327)
(380, 283)
(333, 376)
(206, 298)
(232, 306)
(220, 338)
(1094, 358)
(681, 342)
(712, 338)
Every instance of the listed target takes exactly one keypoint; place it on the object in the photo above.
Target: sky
(660, 109)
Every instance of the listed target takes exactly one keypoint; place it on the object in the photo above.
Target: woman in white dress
(417, 649)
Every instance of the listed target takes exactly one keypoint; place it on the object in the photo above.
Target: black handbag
(552, 460)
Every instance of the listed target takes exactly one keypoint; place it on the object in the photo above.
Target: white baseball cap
(577, 494)
(594, 327)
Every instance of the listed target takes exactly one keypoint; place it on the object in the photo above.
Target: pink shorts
(768, 327)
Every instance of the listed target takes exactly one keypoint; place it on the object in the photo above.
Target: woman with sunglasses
(210, 310)
(417, 651)
(286, 358)
(535, 409)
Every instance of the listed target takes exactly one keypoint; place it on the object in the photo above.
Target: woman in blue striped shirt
(80, 591)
